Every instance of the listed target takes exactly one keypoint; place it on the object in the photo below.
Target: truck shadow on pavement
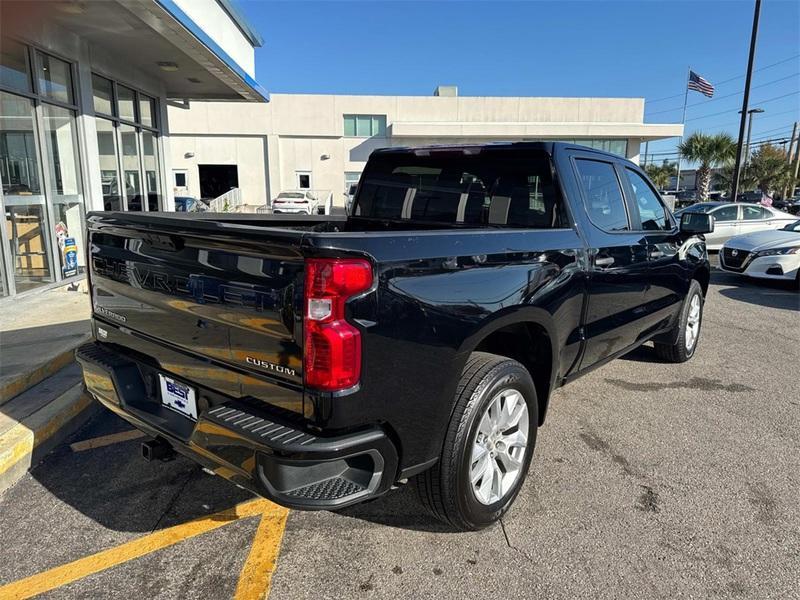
(399, 508)
(643, 354)
(118, 489)
(114, 487)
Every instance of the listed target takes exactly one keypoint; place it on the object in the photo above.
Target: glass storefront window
(25, 214)
(103, 95)
(107, 149)
(129, 155)
(126, 102)
(130, 166)
(61, 142)
(150, 159)
(147, 110)
(40, 168)
(14, 66)
(619, 147)
(55, 78)
(19, 165)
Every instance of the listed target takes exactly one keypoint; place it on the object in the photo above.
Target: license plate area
(178, 396)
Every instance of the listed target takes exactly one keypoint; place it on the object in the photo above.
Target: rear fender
(513, 316)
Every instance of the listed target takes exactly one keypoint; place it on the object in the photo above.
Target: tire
(682, 350)
(446, 489)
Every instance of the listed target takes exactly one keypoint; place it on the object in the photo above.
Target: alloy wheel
(498, 451)
(693, 322)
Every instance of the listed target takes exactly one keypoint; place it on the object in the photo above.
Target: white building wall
(247, 153)
(306, 133)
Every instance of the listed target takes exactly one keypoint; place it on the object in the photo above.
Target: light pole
(750, 114)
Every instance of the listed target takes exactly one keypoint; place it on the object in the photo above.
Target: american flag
(698, 84)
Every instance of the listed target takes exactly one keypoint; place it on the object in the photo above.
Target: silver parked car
(765, 254)
(738, 218)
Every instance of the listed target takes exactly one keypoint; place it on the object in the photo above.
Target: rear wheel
(488, 445)
(687, 329)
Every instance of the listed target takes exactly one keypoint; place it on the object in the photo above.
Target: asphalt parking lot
(649, 480)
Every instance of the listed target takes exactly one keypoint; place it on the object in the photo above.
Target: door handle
(655, 254)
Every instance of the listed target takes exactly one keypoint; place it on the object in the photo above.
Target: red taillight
(332, 345)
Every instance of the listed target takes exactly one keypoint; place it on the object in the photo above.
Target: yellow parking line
(59, 576)
(256, 575)
(107, 440)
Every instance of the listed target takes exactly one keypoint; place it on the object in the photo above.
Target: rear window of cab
(471, 187)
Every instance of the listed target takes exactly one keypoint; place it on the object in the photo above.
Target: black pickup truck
(320, 361)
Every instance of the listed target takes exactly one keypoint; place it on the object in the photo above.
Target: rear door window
(602, 195)
(726, 213)
(754, 213)
(510, 187)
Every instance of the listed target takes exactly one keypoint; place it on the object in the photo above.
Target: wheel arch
(703, 276)
(528, 336)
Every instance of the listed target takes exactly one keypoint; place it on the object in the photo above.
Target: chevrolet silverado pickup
(321, 361)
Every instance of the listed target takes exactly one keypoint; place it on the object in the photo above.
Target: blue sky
(567, 48)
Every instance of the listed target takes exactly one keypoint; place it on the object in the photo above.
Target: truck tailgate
(226, 293)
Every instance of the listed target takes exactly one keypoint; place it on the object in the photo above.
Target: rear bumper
(239, 440)
(291, 210)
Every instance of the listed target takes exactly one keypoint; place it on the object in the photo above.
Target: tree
(723, 178)
(660, 174)
(769, 169)
(708, 151)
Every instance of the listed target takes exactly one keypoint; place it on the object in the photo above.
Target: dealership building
(126, 104)
(321, 142)
(84, 125)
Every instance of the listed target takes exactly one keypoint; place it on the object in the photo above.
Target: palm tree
(769, 169)
(709, 151)
(660, 174)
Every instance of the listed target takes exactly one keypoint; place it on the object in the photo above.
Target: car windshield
(291, 195)
(793, 227)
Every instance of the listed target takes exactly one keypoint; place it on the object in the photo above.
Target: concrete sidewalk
(42, 397)
(38, 336)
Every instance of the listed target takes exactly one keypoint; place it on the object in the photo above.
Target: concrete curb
(16, 385)
(27, 441)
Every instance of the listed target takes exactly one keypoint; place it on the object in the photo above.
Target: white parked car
(773, 254)
(296, 202)
(738, 218)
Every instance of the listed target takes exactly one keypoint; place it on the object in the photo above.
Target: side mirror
(695, 223)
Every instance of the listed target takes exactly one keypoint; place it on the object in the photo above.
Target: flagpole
(683, 121)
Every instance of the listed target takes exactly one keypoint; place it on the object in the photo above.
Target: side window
(651, 210)
(753, 213)
(726, 213)
(603, 196)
